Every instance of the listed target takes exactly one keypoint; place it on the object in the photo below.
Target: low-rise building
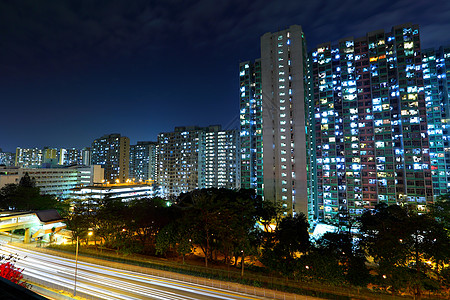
(126, 192)
(55, 181)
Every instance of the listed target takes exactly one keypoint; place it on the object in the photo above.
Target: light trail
(110, 283)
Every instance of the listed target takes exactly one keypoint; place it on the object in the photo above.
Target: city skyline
(72, 73)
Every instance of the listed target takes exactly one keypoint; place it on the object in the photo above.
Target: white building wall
(284, 139)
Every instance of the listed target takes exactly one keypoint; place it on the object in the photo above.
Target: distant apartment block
(7, 158)
(71, 156)
(112, 152)
(194, 157)
(50, 156)
(86, 156)
(28, 157)
(143, 161)
(221, 158)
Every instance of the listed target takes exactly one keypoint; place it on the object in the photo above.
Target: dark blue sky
(71, 71)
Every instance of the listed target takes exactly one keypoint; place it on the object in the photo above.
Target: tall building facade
(250, 118)
(143, 161)
(368, 122)
(7, 158)
(283, 81)
(112, 152)
(180, 166)
(70, 156)
(28, 157)
(50, 156)
(221, 158)
(273, 97)
(86, 156)
(436, 70)
(197, 157)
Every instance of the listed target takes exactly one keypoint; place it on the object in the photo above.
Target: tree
(344, 260)
(440, 210)
(407, 247)
(27, 181)
(174, 236)
(239, 216)
(79, 217)
(269, 213)
(107, 217)
(289, 241)
(201, 211)
(145, 218)
(25, 196)
(10, 272)
(221, 221)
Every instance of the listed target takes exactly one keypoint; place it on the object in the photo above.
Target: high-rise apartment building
(180, 166)
(28, 157)
(221, 158)
(143, 161)
(7, 158)
(50, 156)
(250, 115)
(86, 156)
(112, 152)
(272, 120)
(368, 122)
(436, 70)
(71, 156)
(197, 157)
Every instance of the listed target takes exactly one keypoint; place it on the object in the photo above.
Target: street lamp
(89, 235)
(242, 261)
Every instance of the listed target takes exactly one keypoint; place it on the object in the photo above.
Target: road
(109, 283)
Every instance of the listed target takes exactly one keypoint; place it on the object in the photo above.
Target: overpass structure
(36, 223)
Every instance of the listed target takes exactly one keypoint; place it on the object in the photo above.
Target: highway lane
(110, 283)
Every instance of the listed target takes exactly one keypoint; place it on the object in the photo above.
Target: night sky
(72, 71)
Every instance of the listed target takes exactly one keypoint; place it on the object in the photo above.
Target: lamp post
(89, 235)
(242, 262)
(76, 269)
